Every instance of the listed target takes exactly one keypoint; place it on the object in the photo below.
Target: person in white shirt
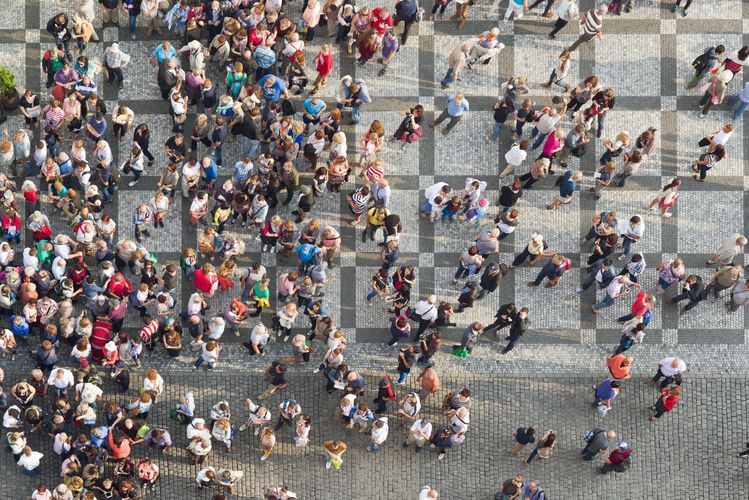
(205, 477)
(31, 461)
(61, 379)
(515, 157)
(426, 312)
(259, 416)
(441, 189)
(670, 370)
(546, 124)
(459, 420)
(409, 406)
(731, 247)
(88, 392)
(631, 233)
(197, 429)
(428, 493)
(12, 418)
(380, 430)
(258, 338)
(613, 290)
(419, 433)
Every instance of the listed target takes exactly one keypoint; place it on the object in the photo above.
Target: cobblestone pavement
(675, 457)
(645, 57)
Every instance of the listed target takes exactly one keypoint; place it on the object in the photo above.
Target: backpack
(566, 265)
(386, 385)
(588, 437)
(700, 62)
(559, 180)
(623, 466)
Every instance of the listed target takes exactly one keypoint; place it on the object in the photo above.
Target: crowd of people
(239, 70)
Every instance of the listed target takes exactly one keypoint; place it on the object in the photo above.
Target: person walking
(714, 91)
(602, 274)
(566, 11)
(669, 272)
(706, 63)
(425, 312)
(553, 270)
(567, 185)
(666, 198)
(731, 247)
(523, 437)
(724, 278)
(670, 369)
(614, 290)
(666, 402)
(739, 102)
(739, 296)
(544, 448)
(604, 394)
(457, 106)
(592, 24)
(694, 290)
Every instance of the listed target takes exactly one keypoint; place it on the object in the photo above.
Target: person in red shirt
(324, 65)
(206, 280)
(615, 458)
(619, 366)
(119, 287)
(666, 402)
(381, 22)
(643, 303)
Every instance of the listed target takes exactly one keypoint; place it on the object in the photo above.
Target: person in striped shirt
(592, 26)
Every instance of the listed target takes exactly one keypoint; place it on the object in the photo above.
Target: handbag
(579, 150)
(180, 119)
(126, 168)
(714, 99)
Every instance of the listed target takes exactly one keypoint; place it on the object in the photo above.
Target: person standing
(739, 296)
(592, 25)
(616, 459)
(519, 326)
(115, 60)
(419, 434)
(425, 312)
(666, 402)
(324, 66)
(456, 61)
(334, 451)
(502, 110)
(670, 369)
(457, 106)
(677, 5)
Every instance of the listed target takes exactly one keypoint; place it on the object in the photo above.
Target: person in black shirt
(275, 375)
(502, 110)
(603, 101)
(176, 149)
(518, 328)
(504, 317)
(305, 204)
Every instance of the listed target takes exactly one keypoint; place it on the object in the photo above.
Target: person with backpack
(597, 441)
(618, 460)
(384, 394)
(553, 270)
(707, 62)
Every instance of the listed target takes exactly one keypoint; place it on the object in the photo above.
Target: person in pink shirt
(553, 143)
(330, 244)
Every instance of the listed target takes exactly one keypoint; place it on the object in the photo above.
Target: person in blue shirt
(457, 106)
(274, 88)
(97, 127)
(567, 185)
(164, 52)
(312, 109)
(605, 393)
(19, 327)
(209, 169)
(307, 254)
(265, 58)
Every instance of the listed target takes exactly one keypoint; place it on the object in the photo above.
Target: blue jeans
(217, 154)
(607, 301)
(461, 272)
(540, 138)
(250, 147)
(373, 447)
(200, 361)
(371, 295)
(35, 471)
(732, 101)
(355, 114)
(497, 129)
(426, 207)
(448, 79)
(133, 20)
(402, 377)
(543, 273)
(627, 244)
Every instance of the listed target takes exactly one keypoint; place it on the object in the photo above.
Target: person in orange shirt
(619, 366)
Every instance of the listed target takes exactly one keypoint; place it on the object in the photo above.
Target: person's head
(523, 313)
(590, 82)
(610, 435)
(606, 263)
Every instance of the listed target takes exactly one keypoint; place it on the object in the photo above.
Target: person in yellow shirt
(375, 220)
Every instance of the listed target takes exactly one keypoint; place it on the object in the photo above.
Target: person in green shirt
(44, 252)
(260, 296)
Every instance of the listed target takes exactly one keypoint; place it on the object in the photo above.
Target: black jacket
(508, 197)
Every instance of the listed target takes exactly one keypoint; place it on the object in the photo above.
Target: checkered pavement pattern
(644, 56)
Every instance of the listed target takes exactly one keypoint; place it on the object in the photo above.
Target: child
(451, 209)
(475, 215)
(135, 348)
(436, 209)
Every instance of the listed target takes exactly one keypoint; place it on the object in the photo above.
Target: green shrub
(7, 80)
